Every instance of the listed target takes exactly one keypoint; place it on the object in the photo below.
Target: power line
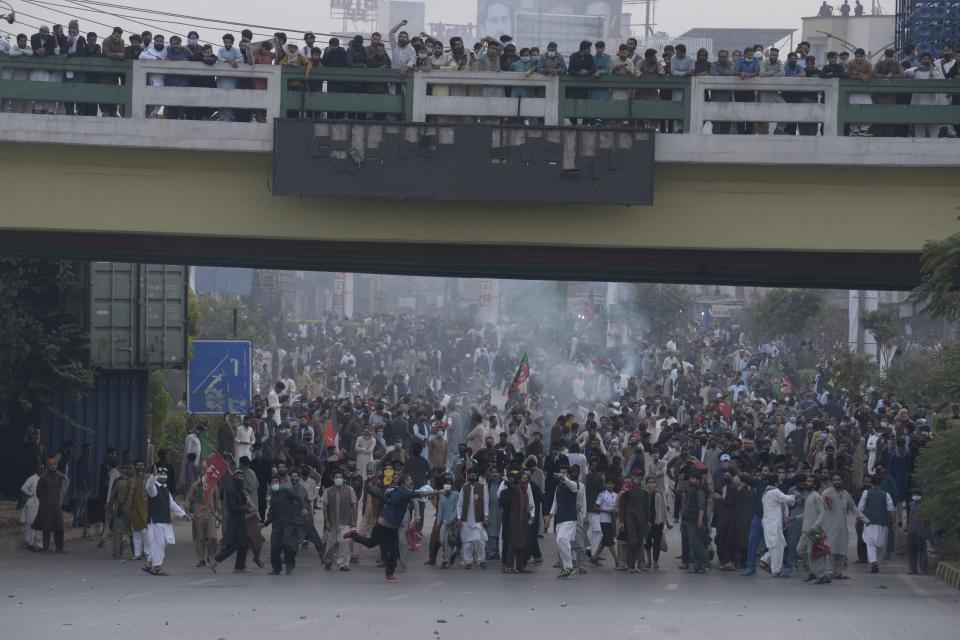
(192, 25)
(131, 20)
(197, 18)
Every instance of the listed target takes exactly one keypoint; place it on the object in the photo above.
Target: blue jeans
(756, 537)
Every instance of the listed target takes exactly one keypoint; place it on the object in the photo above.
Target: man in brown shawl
(51, 488)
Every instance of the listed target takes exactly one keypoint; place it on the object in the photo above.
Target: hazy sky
(673, 16)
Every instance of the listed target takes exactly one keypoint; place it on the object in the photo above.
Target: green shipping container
(138, 315)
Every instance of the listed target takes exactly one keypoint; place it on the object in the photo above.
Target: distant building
(731, 39)
(871, 33)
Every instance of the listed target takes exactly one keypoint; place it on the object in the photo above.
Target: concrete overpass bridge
(425, 194)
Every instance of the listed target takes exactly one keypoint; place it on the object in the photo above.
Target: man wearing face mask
(286, 509)
(447, 523)
(339, 516)
(552, 63)
(160, 504)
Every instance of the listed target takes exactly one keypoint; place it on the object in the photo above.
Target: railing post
(561, 100)
(275, 91)
(138, 82)
(415, 98)
(693, 104)
(835, 103)
(553, 100)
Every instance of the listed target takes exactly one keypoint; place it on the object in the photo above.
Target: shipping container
(113, 414)
(138, 315)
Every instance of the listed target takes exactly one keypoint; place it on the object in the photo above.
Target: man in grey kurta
(813, 514)
(838, 503)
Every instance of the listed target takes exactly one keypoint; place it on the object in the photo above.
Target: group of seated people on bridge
(424, 53)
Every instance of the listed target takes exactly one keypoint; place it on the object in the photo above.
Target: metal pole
(236, 322)
(647, 29)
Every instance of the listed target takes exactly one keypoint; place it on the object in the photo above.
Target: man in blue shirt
(581, 64)
(394, 500)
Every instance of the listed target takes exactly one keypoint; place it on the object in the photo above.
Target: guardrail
(482, 95)
(95, 81)
(252, 88)
(693, 105)
(626, 98)
(381, 92)
(896, 109)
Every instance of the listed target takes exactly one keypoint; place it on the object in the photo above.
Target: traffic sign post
(219, 377)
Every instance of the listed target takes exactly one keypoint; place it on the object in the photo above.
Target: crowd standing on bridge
(483, 439)
(424, 53)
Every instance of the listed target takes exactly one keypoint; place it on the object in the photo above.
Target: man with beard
(839, 503)
(50, 490)
(876, 505)
(517, 505)
(814, 512)
(634, 506)
(160, 504)
(138, 510)
(207, 512)
(235, 533)
(474, 507)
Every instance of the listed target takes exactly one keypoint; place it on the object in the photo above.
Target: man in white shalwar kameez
(159, 534)
(774, 501)
(473, 520)
(31, 536)
(876, 505)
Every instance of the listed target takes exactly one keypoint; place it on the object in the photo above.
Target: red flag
(522, 375)
(213, 469)
(331, 439)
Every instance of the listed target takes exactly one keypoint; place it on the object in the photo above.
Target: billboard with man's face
(498, 17)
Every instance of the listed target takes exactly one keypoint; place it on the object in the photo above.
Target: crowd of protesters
(486, 438)
(424, 53)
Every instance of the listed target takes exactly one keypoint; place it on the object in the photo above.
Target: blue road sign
(219, 377)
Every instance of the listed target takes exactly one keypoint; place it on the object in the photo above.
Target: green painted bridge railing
(133, 87)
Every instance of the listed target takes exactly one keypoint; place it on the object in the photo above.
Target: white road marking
(137, 595)
(659, 600)
(400, 597)
(438, 583)
(673, 587)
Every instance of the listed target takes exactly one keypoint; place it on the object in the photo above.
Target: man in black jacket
(235, 533)
(286, 510)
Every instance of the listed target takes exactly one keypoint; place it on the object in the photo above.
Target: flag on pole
(207, 448)
(214, 468)
(522, 375)
(331, 439)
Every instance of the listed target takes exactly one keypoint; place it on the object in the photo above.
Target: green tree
(937, 292)
(830, 329)
(159, 401)
(43, 346)
(662, 307)
(216, 320)
(885, 327)
(854, 371)
(784, 312)
(939, 478)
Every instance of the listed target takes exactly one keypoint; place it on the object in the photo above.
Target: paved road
(85, 595)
